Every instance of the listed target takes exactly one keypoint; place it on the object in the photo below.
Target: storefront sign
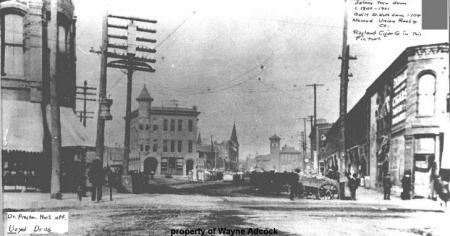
(399, 99)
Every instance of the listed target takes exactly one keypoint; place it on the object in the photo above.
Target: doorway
(189, 166)
(150, 165)
(422, 174)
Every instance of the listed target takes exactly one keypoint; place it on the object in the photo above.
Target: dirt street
(237, 213)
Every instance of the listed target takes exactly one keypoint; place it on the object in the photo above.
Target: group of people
(96, 175)
(354, 182)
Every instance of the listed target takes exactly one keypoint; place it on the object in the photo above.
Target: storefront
(172, 165)
(24, 160)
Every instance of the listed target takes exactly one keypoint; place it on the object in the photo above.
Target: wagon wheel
(328, 191)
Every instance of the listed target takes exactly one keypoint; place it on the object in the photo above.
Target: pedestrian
(353, 184)
(406, 185)
(97, 178)
(293, 179)
(387, 185)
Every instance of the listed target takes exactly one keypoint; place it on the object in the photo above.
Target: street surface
(223, 205)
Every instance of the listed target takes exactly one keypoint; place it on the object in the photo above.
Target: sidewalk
(370, 196)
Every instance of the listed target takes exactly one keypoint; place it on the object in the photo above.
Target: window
(180, 125)
(426, 91)
(147, 124)
(166, 125)
(155, 145)
(180, 145)
(147, 147)
(190, 143)
(172, 125)
(141, 124)
(63, 59)
(155, 124)
(191, 125)
(172, 145)
(12, 44)
(165, 146)
(141, 147)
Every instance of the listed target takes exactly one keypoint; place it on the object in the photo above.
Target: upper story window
(155, 145)
(12, 44)
(166, 125)
(172, 125)
(190, 145)
(426, 92)
(191, 125)
(172, 145)
(155, 124)
(165, 145)
(180, 125)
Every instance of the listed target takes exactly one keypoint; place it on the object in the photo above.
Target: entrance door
(189, 166)
(422, 173)
(150, 165)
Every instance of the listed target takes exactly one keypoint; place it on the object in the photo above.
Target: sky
(247, 62)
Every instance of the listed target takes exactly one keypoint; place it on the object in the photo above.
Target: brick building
(400, 123)
(163, 139)
(26, 36)
(280, 158)
(318, 139)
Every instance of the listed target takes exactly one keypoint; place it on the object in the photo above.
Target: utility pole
(311, 119)
(315, 100)
(304, 139)
(83, 114)
(343, 87)
(53, 110)
(214, 151)
(130, 61)
(103, 108)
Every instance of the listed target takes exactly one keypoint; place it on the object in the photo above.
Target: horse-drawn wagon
(319, 186)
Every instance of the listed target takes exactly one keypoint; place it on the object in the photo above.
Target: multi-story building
(318, 139)
(401, 123)
(163, 139)
(280, 159)
(27, 34)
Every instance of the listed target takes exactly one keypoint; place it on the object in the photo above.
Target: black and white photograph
(207, 117)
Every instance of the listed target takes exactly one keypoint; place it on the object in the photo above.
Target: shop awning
(22, 126)
(73, 133)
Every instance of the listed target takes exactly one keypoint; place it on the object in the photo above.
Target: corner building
(26, 38)
(401, 123)
(163, 139)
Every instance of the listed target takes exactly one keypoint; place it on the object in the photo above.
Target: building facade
(401, 123)
(280, 158)
(318, 139)
(26, 37)
(223, 155)
(163, 139)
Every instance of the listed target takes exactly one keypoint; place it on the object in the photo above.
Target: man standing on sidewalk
(97, 177)
(353, 184)
(387, 185)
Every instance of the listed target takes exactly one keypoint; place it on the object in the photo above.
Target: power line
(175, 30)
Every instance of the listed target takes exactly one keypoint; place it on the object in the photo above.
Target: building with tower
(163, 139)
(280, 158)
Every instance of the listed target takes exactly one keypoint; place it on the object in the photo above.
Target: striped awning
(22, 125)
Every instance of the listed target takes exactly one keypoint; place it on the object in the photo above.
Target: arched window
(12, 44)
(426, 92)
